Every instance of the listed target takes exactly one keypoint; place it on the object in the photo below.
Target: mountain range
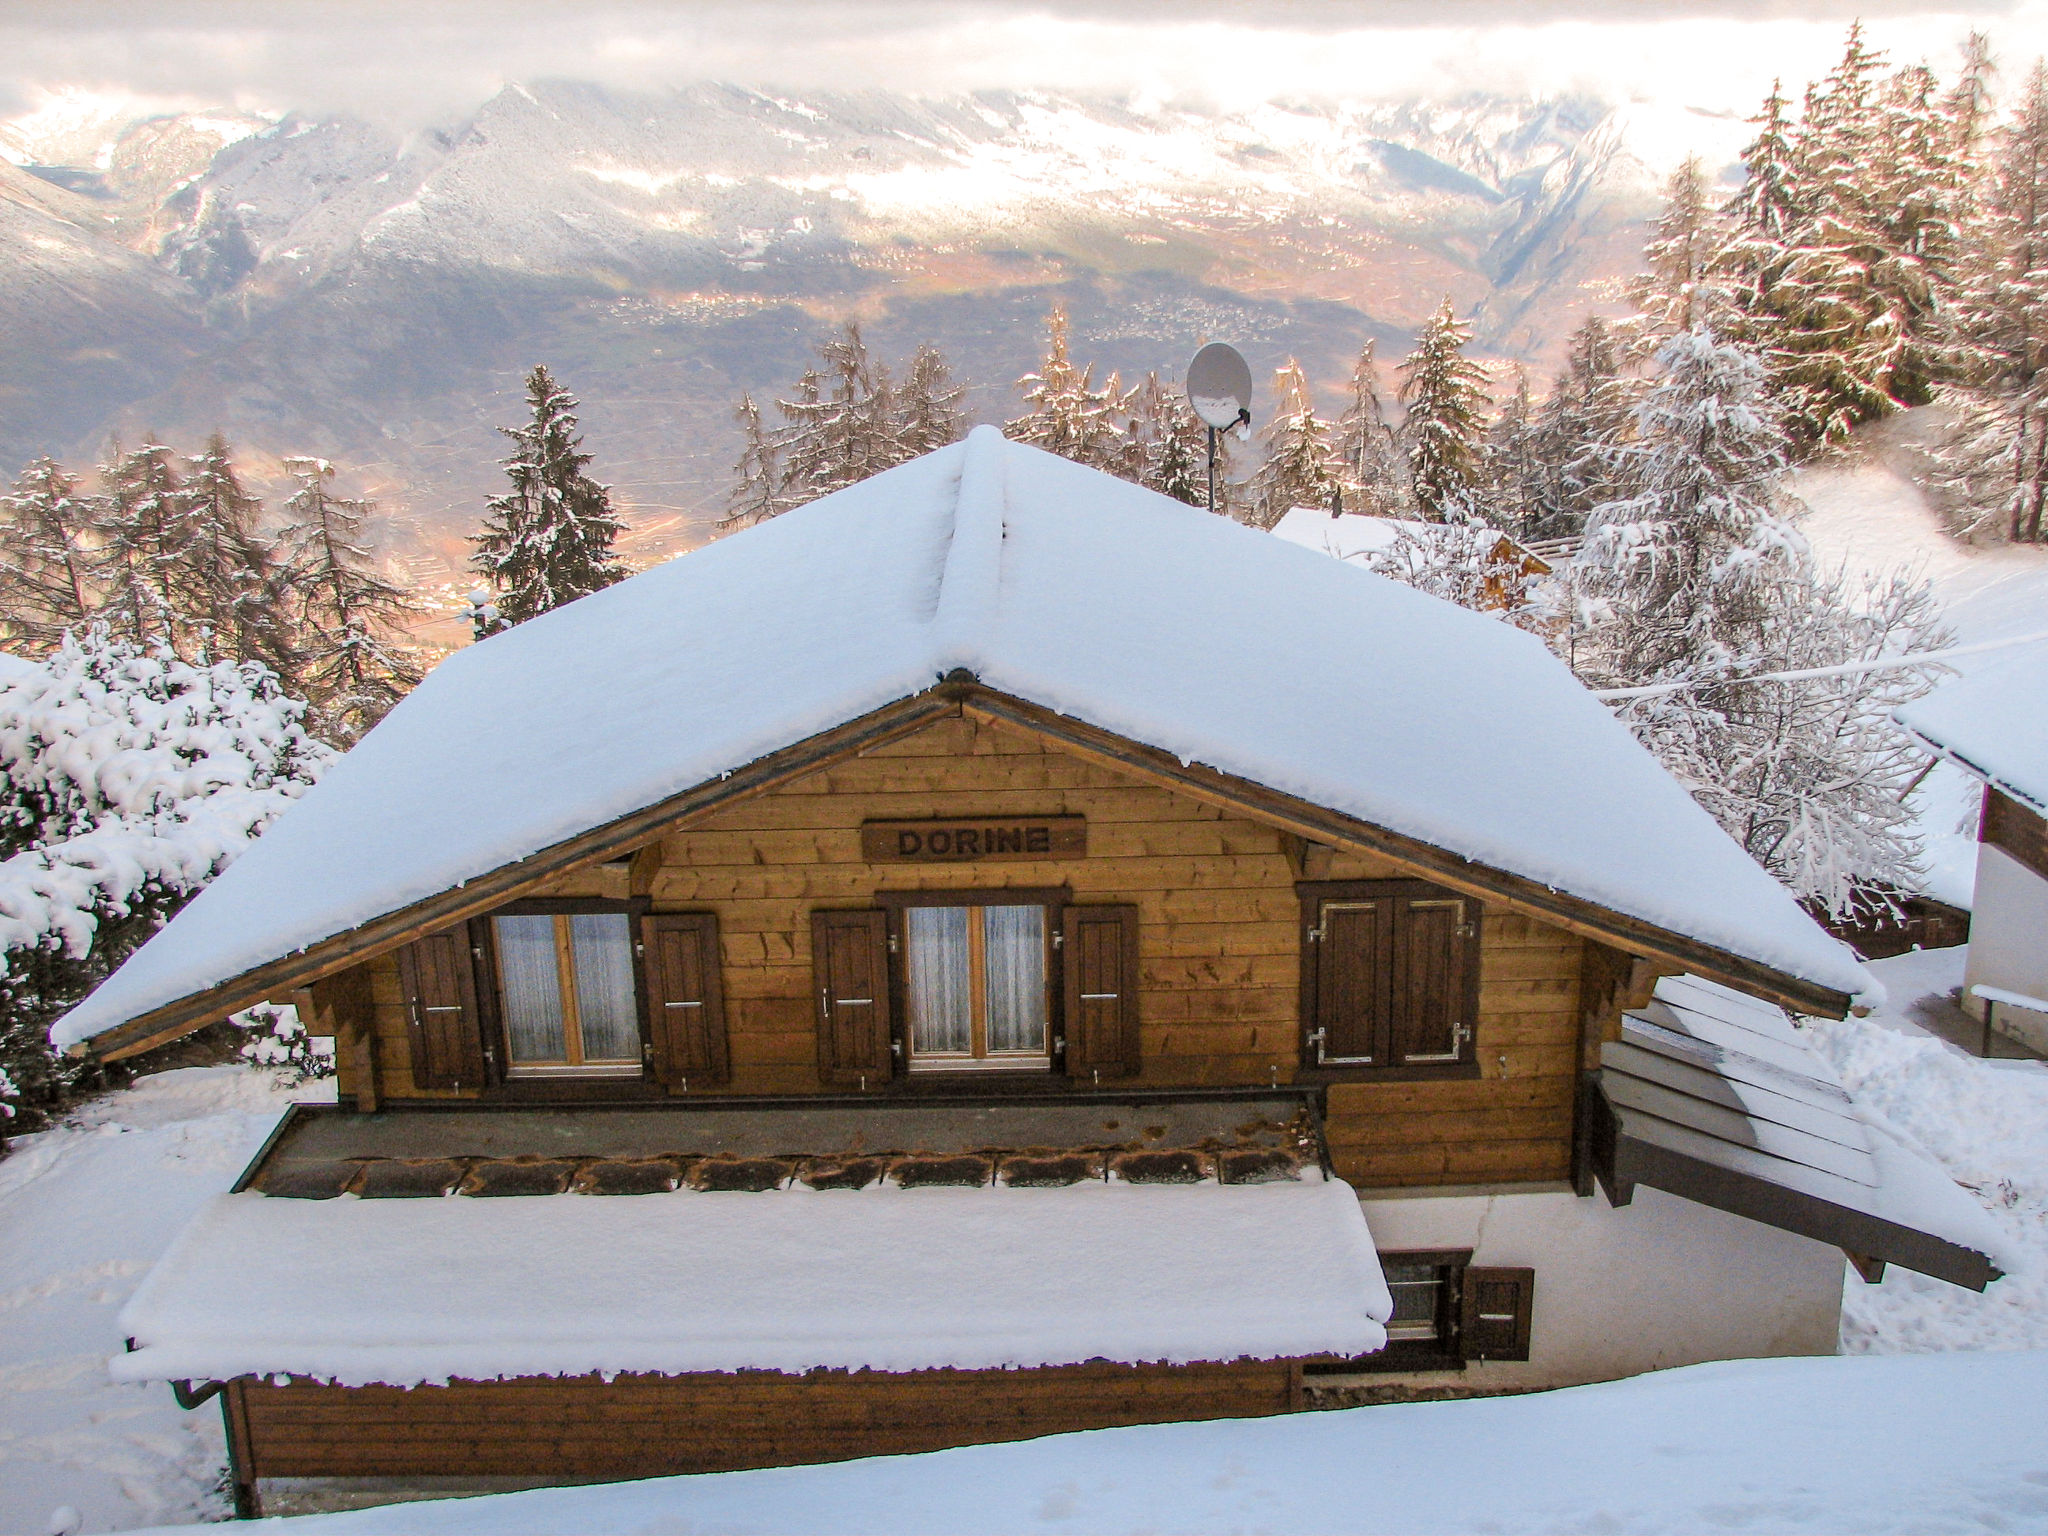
(320, 285)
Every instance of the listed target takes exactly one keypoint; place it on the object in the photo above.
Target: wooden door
(685, 1000)
(1099, 948)
(850, 970)
(438, 976)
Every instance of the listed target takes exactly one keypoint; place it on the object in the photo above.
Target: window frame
(1313, 895)
(491, 997)
(1446, 1352)
(1053, 899)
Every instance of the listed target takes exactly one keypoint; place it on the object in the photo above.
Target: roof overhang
(958, 693)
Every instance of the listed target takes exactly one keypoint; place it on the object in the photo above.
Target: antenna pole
(1212, 469)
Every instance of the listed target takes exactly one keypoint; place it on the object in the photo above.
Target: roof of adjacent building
(1050, 582)
(886, 1278)
(1994, 723)
(1355, 535)
(1716, 1096)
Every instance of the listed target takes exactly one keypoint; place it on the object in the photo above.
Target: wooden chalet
(994, 952)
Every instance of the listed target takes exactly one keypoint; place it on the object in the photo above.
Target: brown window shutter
(1494, 1324)
(1099, 946)
(850, 970)
(438, 976)
(1435, 976)
(1349, 949)
(685, 1001)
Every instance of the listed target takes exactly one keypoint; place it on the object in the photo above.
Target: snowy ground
(84, 1211)
(1987, 1124)
(1864, 1444)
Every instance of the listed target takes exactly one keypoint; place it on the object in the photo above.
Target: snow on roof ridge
(971, 585)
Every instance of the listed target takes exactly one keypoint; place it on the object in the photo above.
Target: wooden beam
(478, 896)
(1317, 824)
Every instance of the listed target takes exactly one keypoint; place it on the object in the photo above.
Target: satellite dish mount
(1220, 393)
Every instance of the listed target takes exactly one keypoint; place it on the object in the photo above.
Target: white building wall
(1619, 1290)
(2009, 943)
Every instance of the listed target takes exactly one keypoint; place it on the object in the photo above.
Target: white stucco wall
(2009, 942)
(1656, 1283)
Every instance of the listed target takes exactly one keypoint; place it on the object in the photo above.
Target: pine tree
(1366, 447)
(1516, 479)
(840, 424)
(1170, 452)
(46, 581)
(229, 584)
(1699, 579)
(757, 478)
(547, 541)
(1677, 288)
(145, 544)
(1445, 395)
(1069, 415)
(928, 407)
(1297, 471)
(1586, 415)
(350, 671)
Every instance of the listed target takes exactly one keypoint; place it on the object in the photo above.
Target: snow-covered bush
(128, 779)
(278, 1040)
(1466, 563)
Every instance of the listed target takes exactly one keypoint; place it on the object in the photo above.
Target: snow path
(85, 1209)
(1931, 1443)
(1986, 1123)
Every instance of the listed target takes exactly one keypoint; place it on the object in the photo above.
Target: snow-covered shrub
(1467, 563)
(128, 779)
(278, 1040)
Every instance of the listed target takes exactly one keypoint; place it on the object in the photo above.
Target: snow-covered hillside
(1867, 514)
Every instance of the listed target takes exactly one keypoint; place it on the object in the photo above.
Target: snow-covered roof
(1994, 723)
(1049, 581)
(1717, 1097)
(408, 1291)
(1349, 535)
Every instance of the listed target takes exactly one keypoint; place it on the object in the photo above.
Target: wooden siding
(1218, 939)
(652, 1426)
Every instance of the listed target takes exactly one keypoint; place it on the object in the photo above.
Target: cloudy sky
(431, 61)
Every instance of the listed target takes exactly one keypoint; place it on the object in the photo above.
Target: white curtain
(1013, 968)
(533, 995)
(936, 977)
(603, 946)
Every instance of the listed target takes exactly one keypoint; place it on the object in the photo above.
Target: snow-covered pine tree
(1761, 217)
(1515, 478)
(145, 545)
(840, 424)
(128, 779)
(1585, 416)
(1170, 449)
(46, 561)
(548, 540)
(929, 414)
(231, 584)
(1446, 399)
(1365, 447)
(757, 478)
(1069, 415)
(350, 668)
(1677, 289)
(1297, 469)
(1697, 578)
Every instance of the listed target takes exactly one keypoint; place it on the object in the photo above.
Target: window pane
(1014, 970)
(604, 986)
(936, 977)
(1417, 1289)
(533, 993)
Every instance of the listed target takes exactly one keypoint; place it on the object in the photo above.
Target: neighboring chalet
(1362, 537)
(1994, 725)
(990, 952)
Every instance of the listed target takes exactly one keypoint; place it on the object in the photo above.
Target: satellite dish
(1220, 386)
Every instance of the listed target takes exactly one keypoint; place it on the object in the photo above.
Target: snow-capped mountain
(318, 285)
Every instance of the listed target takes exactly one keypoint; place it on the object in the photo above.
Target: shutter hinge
(1059, 1044)
(896, 1049)
(893, 947)
(1315, 935)
(1058, 938)
(1467, 930)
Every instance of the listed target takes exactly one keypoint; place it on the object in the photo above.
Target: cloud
(433, 61)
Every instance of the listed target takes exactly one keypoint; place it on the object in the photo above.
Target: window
(1447, 1312)
(566, 987)
(975, 987)
(1390, 976)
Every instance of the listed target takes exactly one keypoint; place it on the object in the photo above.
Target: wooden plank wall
(1218, 942)
(651, 1426)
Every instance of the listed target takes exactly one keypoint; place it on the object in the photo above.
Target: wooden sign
(974, 839)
